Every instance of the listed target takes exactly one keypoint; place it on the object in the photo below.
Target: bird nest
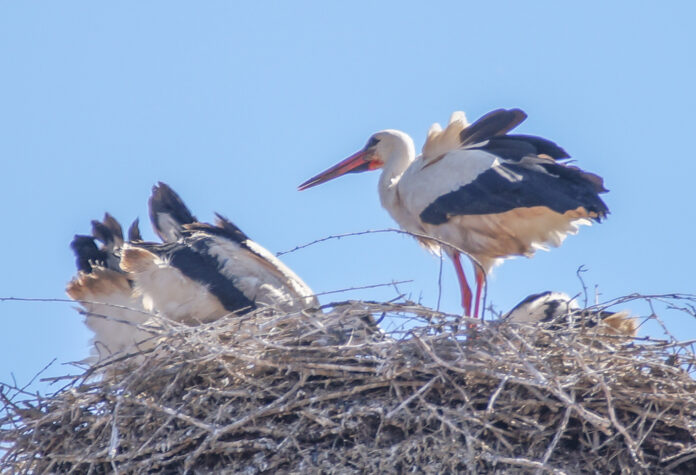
(312, 392)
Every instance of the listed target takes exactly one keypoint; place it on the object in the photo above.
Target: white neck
(397, 152)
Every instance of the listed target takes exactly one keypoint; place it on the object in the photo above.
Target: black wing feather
(108, 231)
(87, 253)
(223, 228)
(164, 200)
(516, 147)
(134, 231)
(542, 145)
(509, 186)
(497, 122)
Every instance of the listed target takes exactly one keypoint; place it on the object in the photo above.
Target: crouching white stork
(209, 270)
(485, 192)
(202, 273)
(548, 306)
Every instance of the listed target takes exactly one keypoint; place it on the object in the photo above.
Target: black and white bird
(483, 191)
(209, 270)
(199, 274)
(554, 306)
(112, 310)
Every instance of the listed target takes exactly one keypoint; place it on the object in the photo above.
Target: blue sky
(235, 104)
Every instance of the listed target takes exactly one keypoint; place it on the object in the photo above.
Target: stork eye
(372, 142)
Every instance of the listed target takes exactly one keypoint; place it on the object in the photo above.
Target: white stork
(209, 270)
(112, 310)
(548, 306)
(200, 274)
(485, 192)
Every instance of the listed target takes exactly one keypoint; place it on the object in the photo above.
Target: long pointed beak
(355, 163)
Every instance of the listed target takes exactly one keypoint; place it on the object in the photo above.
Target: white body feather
(261, 276)
(113, 312)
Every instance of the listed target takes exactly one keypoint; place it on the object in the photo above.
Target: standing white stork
(486, 192)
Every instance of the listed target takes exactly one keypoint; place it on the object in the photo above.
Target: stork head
(381, 149)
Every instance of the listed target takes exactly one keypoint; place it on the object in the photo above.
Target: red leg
(463, 284)
(480, 280)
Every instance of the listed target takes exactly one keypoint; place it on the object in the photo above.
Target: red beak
(355, 163)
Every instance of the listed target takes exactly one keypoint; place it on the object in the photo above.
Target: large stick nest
(310, 392)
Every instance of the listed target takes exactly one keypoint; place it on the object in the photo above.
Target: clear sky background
(236, 103)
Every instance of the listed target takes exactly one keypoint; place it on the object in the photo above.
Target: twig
(61, 300)
(362, 287)
(580, 270)
(408, 400)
